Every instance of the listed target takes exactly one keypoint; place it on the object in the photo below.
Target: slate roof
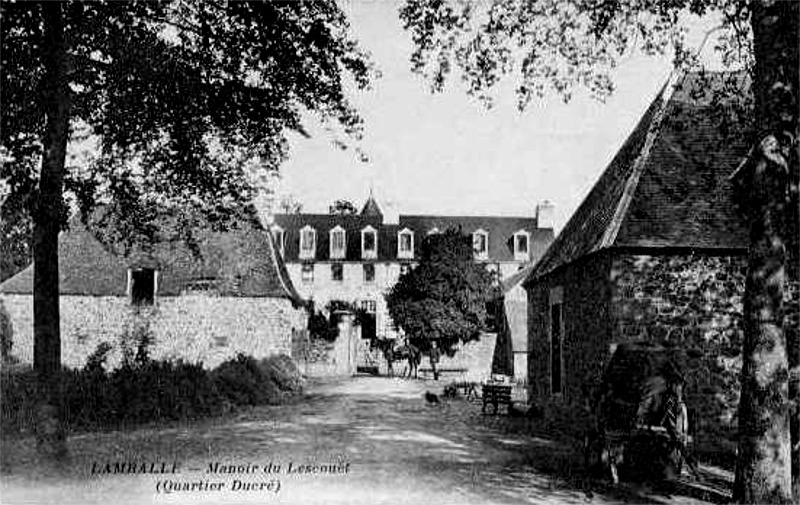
(371, 207)
(241, 262)
(669, 185)
(501, 231)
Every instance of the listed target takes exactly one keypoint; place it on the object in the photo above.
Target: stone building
(656, 251)
(232, 294)
(358, 258)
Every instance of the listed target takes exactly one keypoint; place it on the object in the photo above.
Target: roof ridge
(653, 129)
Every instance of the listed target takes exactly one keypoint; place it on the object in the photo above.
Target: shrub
(18, 390)
(242, 381)
(143, 391)
(322, 328)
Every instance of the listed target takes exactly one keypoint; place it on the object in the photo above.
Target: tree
(558, 46)
(342, 208)
(443, 301)
(178, 95)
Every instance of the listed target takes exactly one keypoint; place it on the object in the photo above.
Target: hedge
(147, 391)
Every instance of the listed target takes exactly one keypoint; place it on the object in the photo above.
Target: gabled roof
(242, 262)
(669, 185)
(371, 208)
(501, 233)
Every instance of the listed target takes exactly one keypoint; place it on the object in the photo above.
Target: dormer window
(142, 286)
(522, 241)
(405, 244)
(278, 237)
(480, 244)
(308, 242)
(338, 243)
(369, 243)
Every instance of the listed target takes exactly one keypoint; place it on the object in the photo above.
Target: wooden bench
(495, 394)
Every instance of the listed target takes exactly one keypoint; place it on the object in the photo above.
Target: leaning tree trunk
(50, 432)
(763, 468)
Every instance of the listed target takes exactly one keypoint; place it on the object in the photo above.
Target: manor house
(358, 257)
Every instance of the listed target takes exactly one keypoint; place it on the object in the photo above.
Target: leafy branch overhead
(555, 45)
(177, 96)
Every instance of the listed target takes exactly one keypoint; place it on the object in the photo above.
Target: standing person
(675, 420)
(434, 357)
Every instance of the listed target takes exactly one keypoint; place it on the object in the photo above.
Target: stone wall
(695, 303)
(585, 290)
(196, 328)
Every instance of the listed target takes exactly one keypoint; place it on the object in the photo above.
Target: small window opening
(143, 286)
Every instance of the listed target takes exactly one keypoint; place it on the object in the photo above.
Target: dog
(431, 398)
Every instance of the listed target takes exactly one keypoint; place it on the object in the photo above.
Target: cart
(641, 428)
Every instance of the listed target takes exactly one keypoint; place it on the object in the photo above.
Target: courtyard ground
(382, 440)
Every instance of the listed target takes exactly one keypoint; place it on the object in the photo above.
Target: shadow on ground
(402, 450)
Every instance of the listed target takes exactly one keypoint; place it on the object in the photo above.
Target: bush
(18, 386)
(146, 391)
(243, 382)
(322, 328)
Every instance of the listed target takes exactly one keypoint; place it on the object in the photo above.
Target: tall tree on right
(557, 46)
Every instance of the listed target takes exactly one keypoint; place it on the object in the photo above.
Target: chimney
(545, 212)
(391, 213)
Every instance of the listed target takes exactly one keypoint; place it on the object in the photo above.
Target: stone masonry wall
(585, 289)
(196, 328)
(695, 303)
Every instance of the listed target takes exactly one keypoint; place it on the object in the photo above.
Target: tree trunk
(763, 469)
(50, 432)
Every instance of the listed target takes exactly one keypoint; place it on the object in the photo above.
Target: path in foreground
(389, 444)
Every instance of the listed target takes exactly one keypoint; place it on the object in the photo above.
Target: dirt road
(363, 440)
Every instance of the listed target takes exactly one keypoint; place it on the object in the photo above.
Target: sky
(445, 153)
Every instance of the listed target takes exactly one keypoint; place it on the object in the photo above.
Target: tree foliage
(555, 46)
(444, 299)
(342, 208)
(179, 97)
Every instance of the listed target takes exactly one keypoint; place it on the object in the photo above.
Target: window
(369, 243)
(308, 242)
(277, 235)
(521, 242)
(405, 244)
(337, 272)
(369, 306)
(480, 243)
(307, 274)
(338, 245)
(143, 284)
(369, 272)
(556, 341)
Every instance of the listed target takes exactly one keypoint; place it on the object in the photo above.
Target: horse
(411, 353)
